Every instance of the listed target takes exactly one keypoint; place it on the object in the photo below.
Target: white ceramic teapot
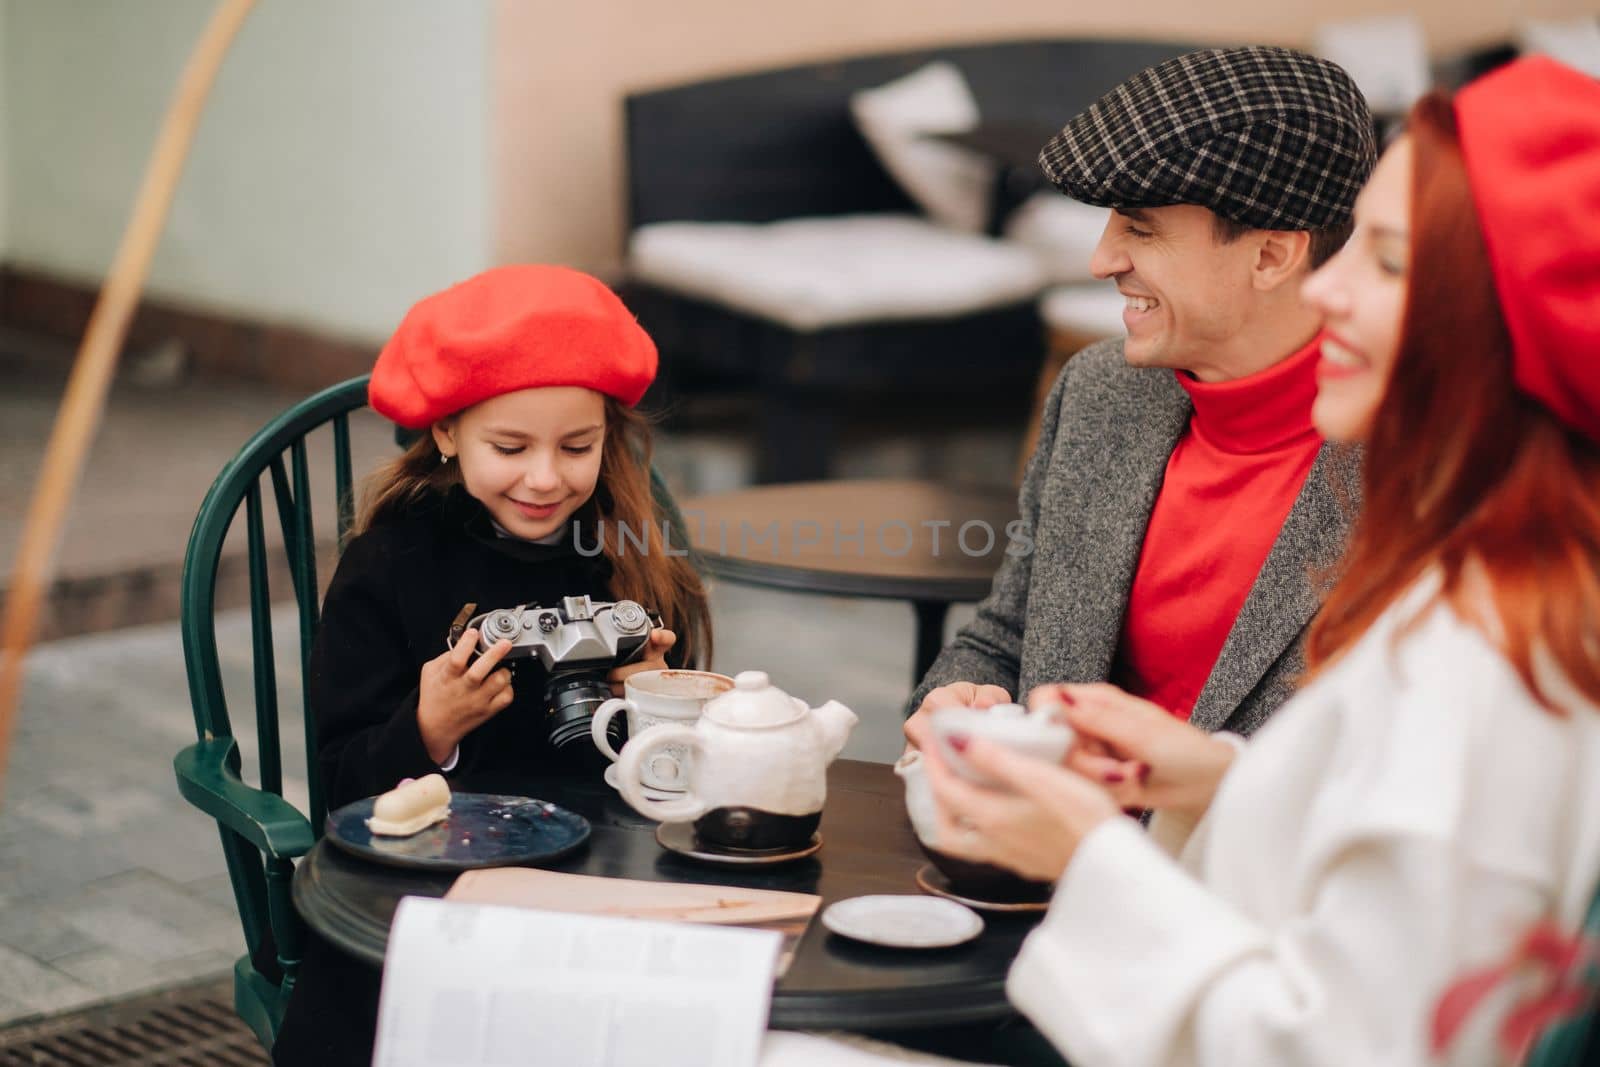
(758, 762)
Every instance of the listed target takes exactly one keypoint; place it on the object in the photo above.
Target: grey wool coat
(1056, 613)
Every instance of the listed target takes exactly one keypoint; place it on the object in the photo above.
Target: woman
(1435, 788)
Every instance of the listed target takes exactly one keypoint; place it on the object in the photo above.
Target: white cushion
(1385, 55)
(1093, 309)
(948, 182)
(1575, 42)
(814, 273)
(1061, 233)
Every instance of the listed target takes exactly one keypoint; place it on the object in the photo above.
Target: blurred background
(826, 213)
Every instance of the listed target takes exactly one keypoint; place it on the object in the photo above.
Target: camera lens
(573, 697)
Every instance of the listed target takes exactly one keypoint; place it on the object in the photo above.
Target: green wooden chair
(262, 833)
(1575, 1040)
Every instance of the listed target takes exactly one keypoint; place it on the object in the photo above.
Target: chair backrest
(274, 462)
(1575, 1040)
(781, 143)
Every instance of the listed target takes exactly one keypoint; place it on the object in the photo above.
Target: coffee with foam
(681, 685)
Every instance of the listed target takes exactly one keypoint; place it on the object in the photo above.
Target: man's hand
(453, 698)
(655, 659)
(956, 694)
(1138, 750)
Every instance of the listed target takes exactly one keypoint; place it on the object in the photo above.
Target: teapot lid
(754, 701)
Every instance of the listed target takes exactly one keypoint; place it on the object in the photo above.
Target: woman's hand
(1031, 824)
(1137, 750)
(655, 659)
(956, 694)
(455, 698)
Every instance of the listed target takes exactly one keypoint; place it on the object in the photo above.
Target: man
(1180, 505)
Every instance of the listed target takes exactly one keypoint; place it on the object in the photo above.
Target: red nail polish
(1144, 773)
(1066, 698)
(958, 742)
(1113, 777)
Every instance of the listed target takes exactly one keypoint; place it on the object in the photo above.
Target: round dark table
(833, 983)
(934, 545)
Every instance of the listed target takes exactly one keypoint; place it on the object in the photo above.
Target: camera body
(578, 642)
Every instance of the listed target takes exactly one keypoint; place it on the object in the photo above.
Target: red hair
(1463, 471)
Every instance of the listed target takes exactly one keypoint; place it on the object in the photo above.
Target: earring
(443, 458)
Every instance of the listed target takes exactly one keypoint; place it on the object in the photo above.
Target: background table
(1013, 146)
(815, 550)
(833, 983)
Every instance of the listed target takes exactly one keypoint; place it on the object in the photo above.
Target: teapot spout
(835, 721)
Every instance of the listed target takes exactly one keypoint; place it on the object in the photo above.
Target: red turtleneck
(1230, 483)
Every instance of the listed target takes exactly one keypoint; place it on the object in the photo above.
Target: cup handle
(601, 720)
(636, 756)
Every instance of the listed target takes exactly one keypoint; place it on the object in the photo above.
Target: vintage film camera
(577, 642)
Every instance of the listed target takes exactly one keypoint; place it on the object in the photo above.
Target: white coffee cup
(651, 698)
(1040, 733)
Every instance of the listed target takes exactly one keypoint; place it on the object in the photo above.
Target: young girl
(1434, 790)
(523, 380)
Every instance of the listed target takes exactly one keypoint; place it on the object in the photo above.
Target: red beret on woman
(1536, 188)
(510, 328)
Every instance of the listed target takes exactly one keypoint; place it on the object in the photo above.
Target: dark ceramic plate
(932, 880)
(482, 830)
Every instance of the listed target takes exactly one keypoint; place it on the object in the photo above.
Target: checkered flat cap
(1266, 137)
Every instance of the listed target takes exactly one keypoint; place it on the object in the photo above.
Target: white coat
(1404, 819)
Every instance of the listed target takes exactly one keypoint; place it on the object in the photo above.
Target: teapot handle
(636, 754)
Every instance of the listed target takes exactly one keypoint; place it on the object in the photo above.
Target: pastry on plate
(410, 807)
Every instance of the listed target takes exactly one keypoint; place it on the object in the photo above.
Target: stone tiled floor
(109, 883)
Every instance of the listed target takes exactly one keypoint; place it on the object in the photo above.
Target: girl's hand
(453, 698)
(655, 659)
(1137, 750)
(1031, 825)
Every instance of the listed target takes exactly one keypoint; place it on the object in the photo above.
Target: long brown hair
(632, 523)
(1464, 473)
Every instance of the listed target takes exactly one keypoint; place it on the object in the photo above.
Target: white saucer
(903, 921)
(650, 792)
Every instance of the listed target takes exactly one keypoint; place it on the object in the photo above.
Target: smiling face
(531, 457)
(1188, 296)
(1361, 293)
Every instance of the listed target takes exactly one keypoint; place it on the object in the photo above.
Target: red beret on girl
(1530, 139)
(510, 328)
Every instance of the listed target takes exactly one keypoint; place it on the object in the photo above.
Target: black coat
(389, 607)
(397, 589)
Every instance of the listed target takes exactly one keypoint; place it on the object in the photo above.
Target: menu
(475, 985)
(525, 887)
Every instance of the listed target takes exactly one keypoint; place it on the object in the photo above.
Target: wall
(338, 174)
(561, 71)
(5, 111)
(357, 155)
